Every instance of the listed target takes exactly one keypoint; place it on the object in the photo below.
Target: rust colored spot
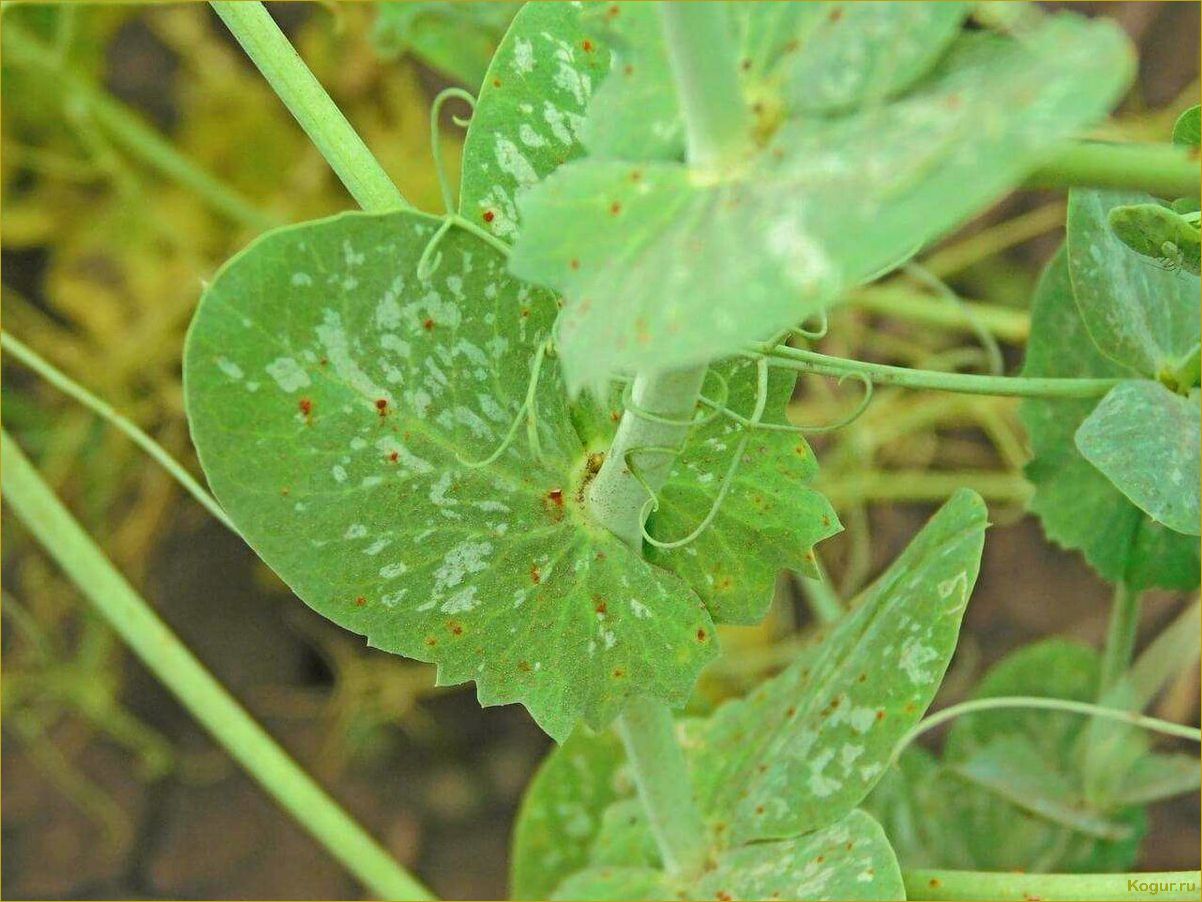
(428, 325)
(820, 859)
(455, 627)
(536, 575)
(489, 215)
(836, 14)
(615, 415)
(614, 10)
(826, 521)
(496, 82)
(911, 707)
(862, 678)
(792, 46)
(636, 175)
(525, 312)
(880, 714)
(325, 361)
(615, 208)
(524, 666)
(360, 601)
(555, 496)
(431, 641)
(382, 406)
(601, 607)
(848, 847)
(285, 491)
(394, 456)
(791, 711)
(745, 65)
(586, 45)
(759, 809)
(935, 883)
(701, 635)
(723, 896)
(306, 406)
(619, 673)
(574, 263)
(628, 71)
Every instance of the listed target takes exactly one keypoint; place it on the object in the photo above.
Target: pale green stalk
(174, 665)
(310, 105)
(1164, 169)
(899, 302)
(1120, 637)
(71, 388)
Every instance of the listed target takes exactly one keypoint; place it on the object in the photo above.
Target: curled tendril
(436, 138)
(652, 503)
(850, 418)
(431, 257)
(527, 412)
(696, 420)
(824, 325)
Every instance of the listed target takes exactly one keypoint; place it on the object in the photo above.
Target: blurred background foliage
(138, 150)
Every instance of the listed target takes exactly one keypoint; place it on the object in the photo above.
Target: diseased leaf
(1145, 440)
(529, 113)
(850, 859)
(1187, 130)
(332, 396)
(561, 815)
(660, 268)
(1078, 506)
(1142, 316)
(456, 39)
(805, 747)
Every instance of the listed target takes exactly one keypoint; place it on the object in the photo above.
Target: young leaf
(805, 747)
(850, 859)
(561, 814)
(333, 399)
(1079, 507)
(529, 113)
(1145, 439)
(1142, 316)
(1187, 130)
(1155, 777)
(1159, 233)
(660, 269)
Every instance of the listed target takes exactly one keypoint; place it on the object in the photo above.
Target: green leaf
(529, 113)
(332, 395)
(794, 59)
(770, 519)
(1187, 129)
(1140, 315)
(1145, 439)
(561, 814)
(625, 837)
(1079, 507)
(456, 39)
(1158, 232)
(850, 859)
(659, 268)
(805, 747)
(1156, 776)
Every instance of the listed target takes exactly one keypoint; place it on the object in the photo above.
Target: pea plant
(540, 440)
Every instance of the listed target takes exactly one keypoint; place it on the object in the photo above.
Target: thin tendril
(824, 325)
(993, 352)
(425, 266)
(801, 430)
(652, 503)
(526, 412)
(696, 420)
(443, 96)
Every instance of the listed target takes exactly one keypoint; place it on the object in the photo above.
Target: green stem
(965, 383)
(71, 388)
(657, 761)
(702, 56)
(311, 106)
(920, 486)
(1164, 169)
(124, 126)
(1120, 636)
(171, 662)
(970, 886)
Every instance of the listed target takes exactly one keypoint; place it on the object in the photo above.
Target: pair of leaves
(1117, 479)
(778, 774)
(851, 166)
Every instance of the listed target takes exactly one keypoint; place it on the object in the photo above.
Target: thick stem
(1164, 169)
(1120, 637)
(125, 127)
(661, 775)
(968, 886)
(702, 55)
(171, 662)
(966, 383)
(311, 106)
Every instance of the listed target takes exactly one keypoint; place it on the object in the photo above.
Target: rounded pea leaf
(1145, 439)
(1078, 506)
(1141, 315)
(1187, 130)
(335, 401)
(660, 268)
(805, 747)
(529, 114)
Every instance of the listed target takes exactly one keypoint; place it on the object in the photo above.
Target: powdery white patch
(528, 136)
(913, 659)
(514, 163)
(288, 374)
(463, 600)
(301, 280)
(338, 471)
(523, 56)
(230, 368)
(393, 570)
(640, 610)
(334, 341)
(460, 562)
(355, 531)
(376, 547)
